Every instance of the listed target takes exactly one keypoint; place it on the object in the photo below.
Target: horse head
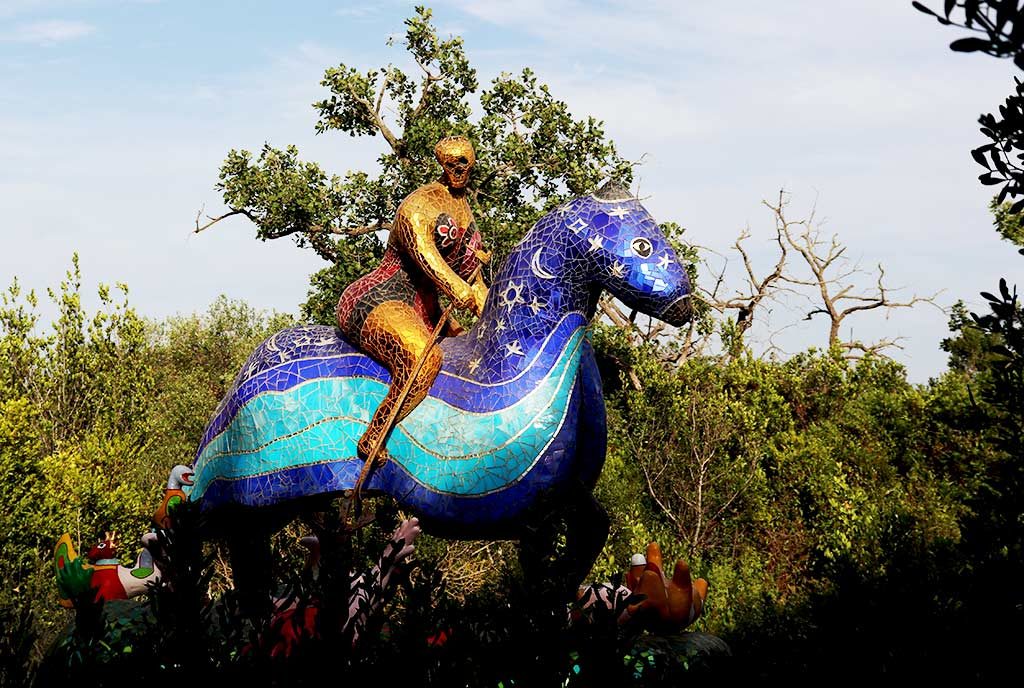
(629, 256)
(604, 241)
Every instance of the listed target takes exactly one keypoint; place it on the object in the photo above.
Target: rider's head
(455, 153)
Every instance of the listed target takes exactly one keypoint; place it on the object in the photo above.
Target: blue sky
(115, 116)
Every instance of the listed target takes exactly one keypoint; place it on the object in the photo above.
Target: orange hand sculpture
(391, 312)
(671, 604)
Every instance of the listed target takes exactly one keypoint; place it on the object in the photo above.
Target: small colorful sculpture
(648, 598)
(101, 571)
(181, 476)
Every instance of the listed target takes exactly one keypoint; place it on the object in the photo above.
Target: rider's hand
(479, 297)
(464, 297)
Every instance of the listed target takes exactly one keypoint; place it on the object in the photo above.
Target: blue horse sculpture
(516, 414)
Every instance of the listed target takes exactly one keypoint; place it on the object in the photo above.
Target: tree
(994, 344)
(832, 275)
(1008, 224)
(1000, 28)
(532, 154)
(756, 291)
(75, 401)
(829, 283)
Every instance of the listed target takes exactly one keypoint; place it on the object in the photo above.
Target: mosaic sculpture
(483, 435)
(100, 570)
(648, 599)
(513, 422)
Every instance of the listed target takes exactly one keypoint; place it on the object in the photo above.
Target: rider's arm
(418, 237)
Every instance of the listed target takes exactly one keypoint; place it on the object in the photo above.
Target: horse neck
(540, 289)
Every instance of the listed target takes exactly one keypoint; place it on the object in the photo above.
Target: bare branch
(759, 288)
(830, 270)
(613, 313)
(215, 220)
(383, 88)
(654, 495)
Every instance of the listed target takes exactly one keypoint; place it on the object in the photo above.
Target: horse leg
(538, 550)
(558, 545)
(587, 527)
(251, 562)
(555, 570)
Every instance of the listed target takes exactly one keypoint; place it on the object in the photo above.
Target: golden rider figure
(391, 313)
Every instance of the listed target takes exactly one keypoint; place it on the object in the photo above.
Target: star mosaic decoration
(535, 306)
(512, 295)
(513, 348)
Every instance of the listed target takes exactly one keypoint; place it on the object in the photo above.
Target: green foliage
(94, 411)
(1008, 224)
(74, 403)
(776, 480)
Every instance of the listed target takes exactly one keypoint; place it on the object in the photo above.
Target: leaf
(970, 12)
(1018, 59)
(950, 4)
(969, 45)
(989, 179)
(989, 297)
(1018, 206)
(979, 156)
(921, 8)
(1000, 164)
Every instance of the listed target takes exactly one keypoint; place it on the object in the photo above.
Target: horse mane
(612, 190)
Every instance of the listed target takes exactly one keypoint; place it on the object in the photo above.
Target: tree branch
(654, 496)
(383, 88)
(386, 132)
(215, 220)
(295, 229)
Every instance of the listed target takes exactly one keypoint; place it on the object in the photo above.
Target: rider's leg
(396, 335)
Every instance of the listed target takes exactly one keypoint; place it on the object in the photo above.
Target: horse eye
(642, 247)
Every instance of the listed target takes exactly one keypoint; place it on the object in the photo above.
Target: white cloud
(49, 32)
(357, 11)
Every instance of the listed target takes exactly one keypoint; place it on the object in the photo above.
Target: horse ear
(612, 190)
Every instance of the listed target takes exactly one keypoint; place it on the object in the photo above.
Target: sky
(116, 114)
